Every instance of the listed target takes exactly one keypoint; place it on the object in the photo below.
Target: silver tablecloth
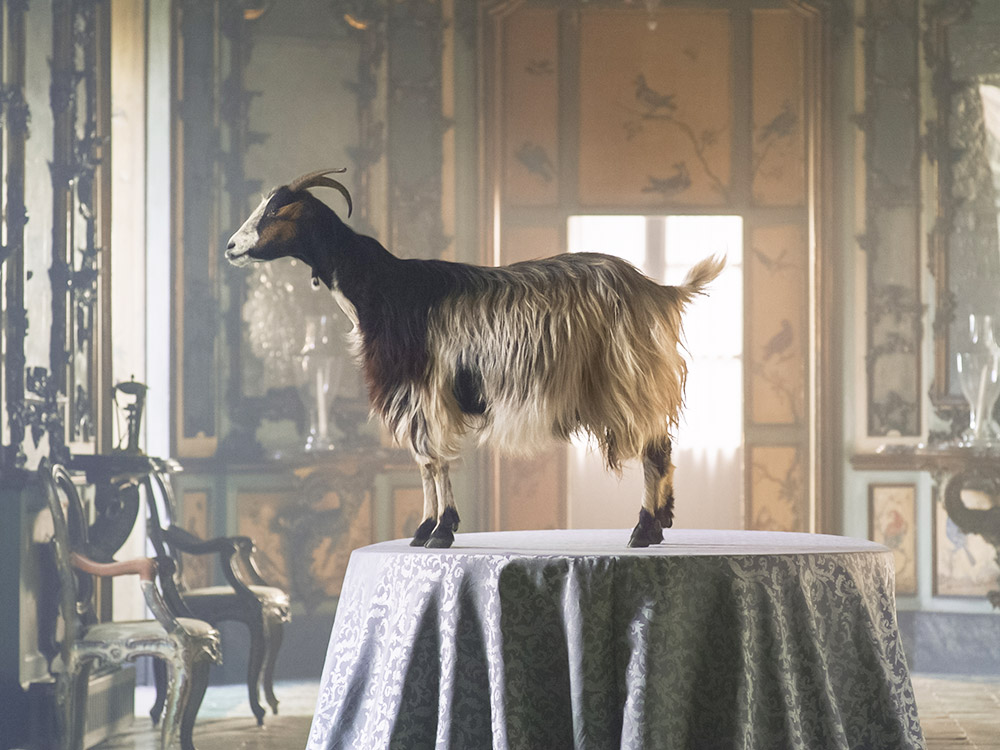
(567, 639)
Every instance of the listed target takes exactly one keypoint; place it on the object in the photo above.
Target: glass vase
(982, 336)
(322, 363)
(979, 377)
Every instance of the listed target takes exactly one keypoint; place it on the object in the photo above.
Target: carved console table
(953, 469)
(306, 513)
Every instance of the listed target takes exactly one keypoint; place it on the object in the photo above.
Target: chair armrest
(185, 541)
(245, 563)
(144, 567)
(166, 569)
(236, 553)
(229, 549)
(159, 608)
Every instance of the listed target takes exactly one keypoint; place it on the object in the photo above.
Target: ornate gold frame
(941, 18)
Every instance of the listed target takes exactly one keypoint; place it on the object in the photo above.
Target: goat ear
(319, 179)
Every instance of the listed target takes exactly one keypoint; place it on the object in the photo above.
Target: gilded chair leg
(274, 632)
(198, 685)
(254, 664)
(71, 707)
(178, 689)
(64, 711)
(79, 699)
(160, 680)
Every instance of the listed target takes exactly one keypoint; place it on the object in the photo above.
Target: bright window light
(691, 238)
(624, 236)
(713, 329)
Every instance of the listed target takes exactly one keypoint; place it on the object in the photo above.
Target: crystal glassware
(979, 377)
(322, 364)
(981, 334)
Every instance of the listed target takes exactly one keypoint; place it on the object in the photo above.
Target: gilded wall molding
(15, 117)
(891, 239)
(964, 222)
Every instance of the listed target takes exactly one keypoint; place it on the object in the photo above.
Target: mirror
(273, 91)
(55, 181)
(81, 118)
(286, 61)
(963, 52)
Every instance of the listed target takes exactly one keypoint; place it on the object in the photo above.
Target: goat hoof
(665, 515)
(423, 533)
(444, 533)
(648, 531)
(440, 539)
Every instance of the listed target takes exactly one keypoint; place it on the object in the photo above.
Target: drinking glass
(979, 377)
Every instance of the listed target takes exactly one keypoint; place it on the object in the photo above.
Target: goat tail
(703, 273)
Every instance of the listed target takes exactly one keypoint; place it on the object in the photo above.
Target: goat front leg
(428, 475)
(448, 520)
(657, 511)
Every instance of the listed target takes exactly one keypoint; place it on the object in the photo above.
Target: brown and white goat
(520, 355)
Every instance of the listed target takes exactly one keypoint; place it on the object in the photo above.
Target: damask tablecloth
(568, 639)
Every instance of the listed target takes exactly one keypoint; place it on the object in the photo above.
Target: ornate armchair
(246, 597)
(186, 647)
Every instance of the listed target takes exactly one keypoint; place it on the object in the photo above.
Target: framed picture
(892, 521)
(964, 564)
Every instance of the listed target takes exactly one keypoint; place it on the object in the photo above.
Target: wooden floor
(954, 712)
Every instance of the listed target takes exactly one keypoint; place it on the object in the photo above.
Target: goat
(520, 354)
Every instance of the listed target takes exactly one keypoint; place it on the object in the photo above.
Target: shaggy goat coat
(519, 355)
(545, 349)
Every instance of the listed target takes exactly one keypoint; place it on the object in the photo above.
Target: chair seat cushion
(269, 594)
(136, 636)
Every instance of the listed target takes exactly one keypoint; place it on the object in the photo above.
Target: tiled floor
(954, 712)
(959, 713)
(225, 722)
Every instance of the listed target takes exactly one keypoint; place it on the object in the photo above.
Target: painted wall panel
(778, 161)
(656, 112)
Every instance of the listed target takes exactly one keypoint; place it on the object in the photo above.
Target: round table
(568, 639)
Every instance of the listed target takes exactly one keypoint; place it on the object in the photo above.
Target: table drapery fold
(562, 640)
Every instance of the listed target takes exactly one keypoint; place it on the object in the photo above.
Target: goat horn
(319, 179)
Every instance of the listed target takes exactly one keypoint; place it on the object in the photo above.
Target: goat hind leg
(448, 520)
(657, 510)
(657, 453)
(428, 476)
